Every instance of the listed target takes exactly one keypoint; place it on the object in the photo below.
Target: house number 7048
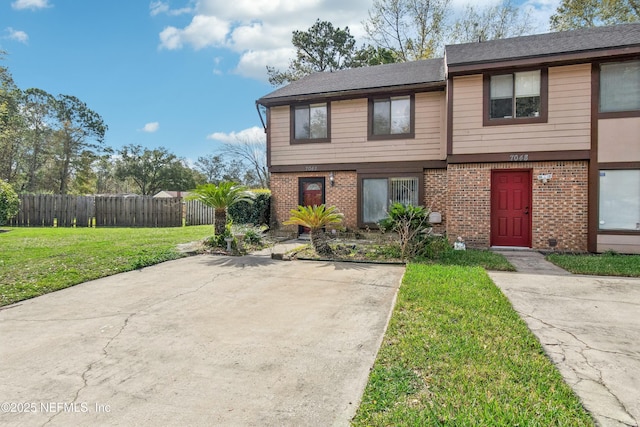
(518, 157)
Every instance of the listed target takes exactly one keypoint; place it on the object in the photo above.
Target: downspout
(264, 126)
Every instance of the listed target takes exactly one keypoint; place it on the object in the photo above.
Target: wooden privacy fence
(109, 211)
(197, 213)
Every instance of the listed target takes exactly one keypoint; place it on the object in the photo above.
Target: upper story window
(518, 97)
(391, 117)
(620, 86)
(310, 122)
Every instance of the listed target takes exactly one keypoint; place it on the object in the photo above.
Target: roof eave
(546, 59)
(350, 94)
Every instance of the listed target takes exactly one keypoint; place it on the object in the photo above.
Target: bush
(257, 213)
(9, 202)
(409, 222)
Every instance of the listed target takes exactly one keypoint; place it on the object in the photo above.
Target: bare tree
(491, 22)
(414, 29)
(253, 151)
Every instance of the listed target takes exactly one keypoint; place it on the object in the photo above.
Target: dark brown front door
(310, 193)
(511, 208)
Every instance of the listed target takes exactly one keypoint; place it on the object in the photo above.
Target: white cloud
(254, 63)
(151, 127)
(260, 30)
(17, 35)
(251, 134)
(158, 7)
(30, 4)
(203, 31)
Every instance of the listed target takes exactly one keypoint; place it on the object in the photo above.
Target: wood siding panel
(619, 243)
(568, 126)
(618, 140)
(349, 136)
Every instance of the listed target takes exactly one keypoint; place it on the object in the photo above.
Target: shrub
(9, 202)
(316, 218)
(257, 213)
(409, 222)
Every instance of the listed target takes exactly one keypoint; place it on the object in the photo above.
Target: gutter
(264, 126)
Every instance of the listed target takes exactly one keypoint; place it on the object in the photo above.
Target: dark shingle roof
(386, 76)
(591, 39)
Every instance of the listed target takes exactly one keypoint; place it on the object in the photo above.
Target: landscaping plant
(316, 218)
(9, 202)
(409, 222)
(220, 197)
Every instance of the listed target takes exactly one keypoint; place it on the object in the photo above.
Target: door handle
(526, 210)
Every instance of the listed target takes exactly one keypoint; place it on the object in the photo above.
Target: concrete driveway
(198, 341)
(590, 327)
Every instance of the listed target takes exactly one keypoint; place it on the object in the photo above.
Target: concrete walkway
(198, 341)
(589, 327)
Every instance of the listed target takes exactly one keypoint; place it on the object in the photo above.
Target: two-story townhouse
(532, 141)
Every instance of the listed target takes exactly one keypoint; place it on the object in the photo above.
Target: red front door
(510, 208)
(311, 193)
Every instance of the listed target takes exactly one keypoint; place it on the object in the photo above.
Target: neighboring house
(531, 142)
(169, 194)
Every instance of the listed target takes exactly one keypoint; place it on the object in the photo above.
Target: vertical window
(620, 200)
(620, 86)
(379, 193)
(391, 117)
(515, 95)
(311, 122)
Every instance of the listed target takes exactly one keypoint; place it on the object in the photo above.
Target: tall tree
(153, 170)
(321, 48)
(11, 125)
(253, 151)
(38, 114)
(80, 130)
(414, 29)
(572, 14)
(492, 22)
(212, 167)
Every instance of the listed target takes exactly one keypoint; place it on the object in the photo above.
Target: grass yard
(456, 354)
(474, 257)
(36, 261)
(606, 264)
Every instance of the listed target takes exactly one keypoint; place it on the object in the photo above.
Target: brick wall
(284, 196)
(435, 195)
(559, 209)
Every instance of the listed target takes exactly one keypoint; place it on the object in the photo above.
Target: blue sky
(183, 74)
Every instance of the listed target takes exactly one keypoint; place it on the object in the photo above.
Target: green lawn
(606, 264)
(35, 261)
(474, 257)
(456, 354)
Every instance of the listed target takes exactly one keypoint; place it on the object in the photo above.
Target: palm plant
(316, 218)
(220, 197)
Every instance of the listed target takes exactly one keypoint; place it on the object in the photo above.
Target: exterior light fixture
(544, 178)
(332, 179)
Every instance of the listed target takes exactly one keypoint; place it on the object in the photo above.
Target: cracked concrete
(590, 328)
(198, 341)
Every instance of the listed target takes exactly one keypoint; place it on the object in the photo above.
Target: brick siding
(284, 196)
(559, 209)
(435, 195)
